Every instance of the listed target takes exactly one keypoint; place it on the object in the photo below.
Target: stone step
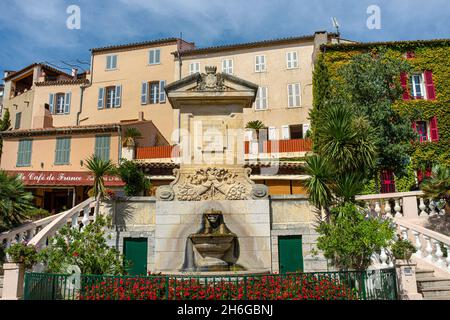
(438, 298)
(435, 292)
(432, 282)
(424, 273)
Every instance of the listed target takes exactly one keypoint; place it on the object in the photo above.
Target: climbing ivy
(431, 55)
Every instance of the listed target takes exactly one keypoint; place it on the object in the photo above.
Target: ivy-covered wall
(433, 55)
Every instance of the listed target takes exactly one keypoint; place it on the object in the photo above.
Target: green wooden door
(290, 253)
(135, 252)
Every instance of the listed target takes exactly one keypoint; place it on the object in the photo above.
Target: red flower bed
(270, 287)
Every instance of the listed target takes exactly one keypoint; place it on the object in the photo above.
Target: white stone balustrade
(410, 205)
(428, 243)
(37, 232)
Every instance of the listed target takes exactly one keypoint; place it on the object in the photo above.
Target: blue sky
(35, 30)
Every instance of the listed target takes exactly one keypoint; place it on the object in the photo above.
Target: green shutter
(102, 147)
(24, 153)
(62, 150)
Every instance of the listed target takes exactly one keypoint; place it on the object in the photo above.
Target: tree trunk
(97, 206)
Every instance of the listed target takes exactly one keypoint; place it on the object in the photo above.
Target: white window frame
(194, 67)
(291, 63)
(261, 100)
(154, 56)
(57, 103)
(294, 96)
(422, 85)
(110, 103)
(110, 59)
(227, 65)
(259, 66)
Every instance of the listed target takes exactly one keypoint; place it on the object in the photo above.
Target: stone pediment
(209, 82)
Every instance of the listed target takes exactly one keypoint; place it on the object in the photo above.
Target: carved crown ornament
(212, 184)
(211, 81)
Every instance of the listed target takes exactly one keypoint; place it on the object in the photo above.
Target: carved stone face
(213, 219)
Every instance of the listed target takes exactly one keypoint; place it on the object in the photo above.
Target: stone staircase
(431, 286)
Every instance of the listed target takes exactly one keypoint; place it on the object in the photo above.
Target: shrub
(134, 178)
(22, 253)
(403, 249)
(350, 239)
(38, 213)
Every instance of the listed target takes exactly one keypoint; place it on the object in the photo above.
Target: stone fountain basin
(212, 245)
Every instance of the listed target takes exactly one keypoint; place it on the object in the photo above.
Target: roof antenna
(336, 26)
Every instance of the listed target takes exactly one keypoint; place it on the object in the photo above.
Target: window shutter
(67, 150)
(294, 59)
(162, 93)
(404, 82)
(157, 56)
(434, 129)
(248, 135)
(387, 181)
(106, 147)
(118, 96)
(101, 92)
(114, 62)
(284, 132)
(272, 133)
(108, 62)
(414, 126)
(67, 102)
(51, 102)
(305, 129)
(57, 150)
(144, 93)
(151, 57)
(429, 84)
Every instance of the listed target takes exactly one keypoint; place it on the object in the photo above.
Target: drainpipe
(82, 92)
(119, 132)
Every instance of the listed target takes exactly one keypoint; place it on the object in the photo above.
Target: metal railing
(349, 285)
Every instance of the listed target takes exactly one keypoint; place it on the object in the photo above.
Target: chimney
(74, 73)
(320, 38)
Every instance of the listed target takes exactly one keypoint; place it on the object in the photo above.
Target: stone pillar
(406, 280)
(410, 207)
(128, 152)
(13, 281)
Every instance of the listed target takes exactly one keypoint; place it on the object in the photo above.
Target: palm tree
(14, 201)
(437, 187)
(255, 125)
(131, 135)
(99, 168)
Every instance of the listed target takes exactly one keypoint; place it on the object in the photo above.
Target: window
(294, 95)
(260, 63)
(261, 99)
(296, 131)
(387, 181)
(59, 103)
(109, 97)
(292, 60)
(194, 67)
(422, 130)
(111, 62)
(153, 92)
(24, 153)
(417, 86)
(18, 120)
(102, 144)
(62, 150)
(227, 66)
(154, 56)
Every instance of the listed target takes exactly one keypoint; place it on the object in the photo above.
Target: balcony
(266, 149)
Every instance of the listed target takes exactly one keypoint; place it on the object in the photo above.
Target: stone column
(406, 280)
(410, 207)
(13, 281)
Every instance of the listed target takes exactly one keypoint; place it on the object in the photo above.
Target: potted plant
(22, 253)
(255, 126)
(130, 137)
(402, 249)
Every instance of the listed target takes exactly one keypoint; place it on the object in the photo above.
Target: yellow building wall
(43, 151)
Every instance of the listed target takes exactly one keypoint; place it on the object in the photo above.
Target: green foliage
(15, 202)
(86, 248)
(37, 213)
(437, 187)
(429, 55)
(407, 182)
(135, 180)
(5, 123)
(255, 125)
(22, 253)
(402, 249)
(100, 168)
(350, 239)
(130, 137)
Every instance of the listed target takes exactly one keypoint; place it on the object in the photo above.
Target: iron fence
(348, 285)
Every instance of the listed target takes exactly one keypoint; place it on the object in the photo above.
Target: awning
(62, 178)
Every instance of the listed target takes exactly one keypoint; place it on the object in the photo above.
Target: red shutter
(434, 129)
(387, 181)
(410, 55)
(419, 176)
(404, 82)
(431, 91)
(428, 172)
(414, 126)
